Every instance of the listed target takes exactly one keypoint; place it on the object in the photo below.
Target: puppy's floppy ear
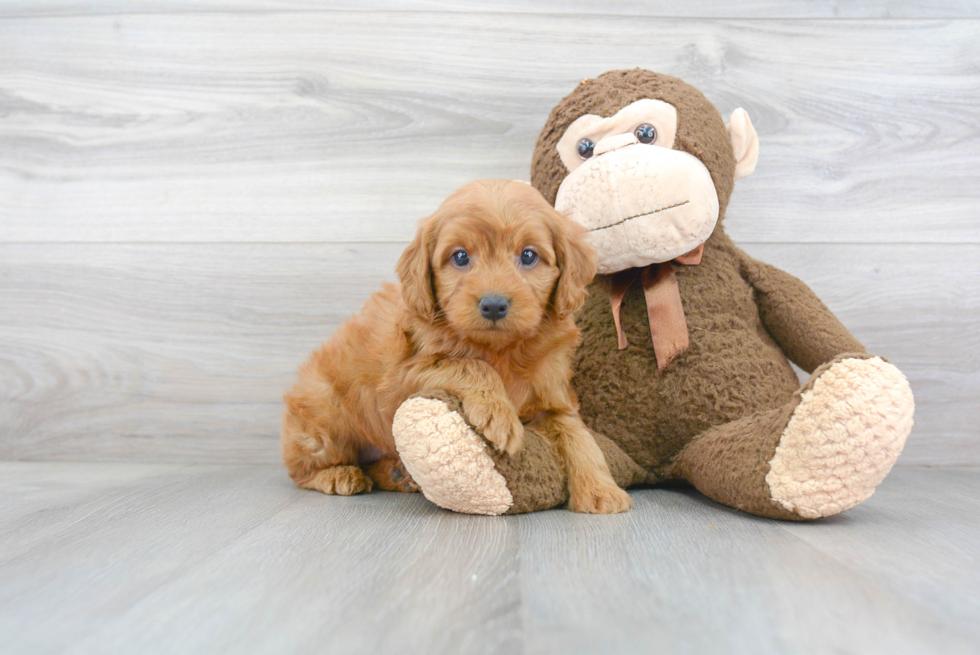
(576, 261)
(414, 269)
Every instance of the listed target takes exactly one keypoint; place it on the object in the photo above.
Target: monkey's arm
(801, 324)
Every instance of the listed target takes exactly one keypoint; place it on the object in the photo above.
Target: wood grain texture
(670, 8)
(113, 558)
(194, 194)
(181, 352)
(222, 559)
(350, 126)
(680, 574)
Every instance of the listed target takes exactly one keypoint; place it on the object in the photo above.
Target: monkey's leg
(823, 452)
(457, 470)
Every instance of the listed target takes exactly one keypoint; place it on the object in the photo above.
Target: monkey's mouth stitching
(630, 218)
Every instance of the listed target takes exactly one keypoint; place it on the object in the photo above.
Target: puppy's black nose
(494, 307)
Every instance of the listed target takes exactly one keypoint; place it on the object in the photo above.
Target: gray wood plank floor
(112, 558)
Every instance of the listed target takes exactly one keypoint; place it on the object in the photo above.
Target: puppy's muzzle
(494, 307)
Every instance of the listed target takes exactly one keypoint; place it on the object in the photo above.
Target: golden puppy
(485, 312)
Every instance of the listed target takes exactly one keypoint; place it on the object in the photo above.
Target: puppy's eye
(529, 257)
(461, 259)
(646, 133)
(585, 148)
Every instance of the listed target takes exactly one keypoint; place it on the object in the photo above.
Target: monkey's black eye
(461, 259)
(529, 257)
(646, 133)
(585, 147)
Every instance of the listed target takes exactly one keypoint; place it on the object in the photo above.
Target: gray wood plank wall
(194, 194)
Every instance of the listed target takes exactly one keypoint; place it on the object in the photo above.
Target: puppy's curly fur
(431, 334)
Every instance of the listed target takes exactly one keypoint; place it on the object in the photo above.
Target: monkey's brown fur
(721, 412)
(734, 305)
(429, 335)
(700, 130)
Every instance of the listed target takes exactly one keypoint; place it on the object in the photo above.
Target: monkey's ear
(414, 270)
(576, 263)
(745, 143)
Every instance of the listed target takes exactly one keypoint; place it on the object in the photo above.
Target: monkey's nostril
(494, 307)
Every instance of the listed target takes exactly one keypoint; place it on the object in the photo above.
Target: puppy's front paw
(592, 496)
(506, 433)
(499, 424)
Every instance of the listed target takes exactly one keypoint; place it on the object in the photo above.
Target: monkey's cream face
(642, 201)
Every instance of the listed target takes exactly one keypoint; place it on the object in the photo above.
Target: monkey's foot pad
(448, 459)
(842, 439)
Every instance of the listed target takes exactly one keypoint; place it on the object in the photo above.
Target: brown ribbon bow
(668, 327)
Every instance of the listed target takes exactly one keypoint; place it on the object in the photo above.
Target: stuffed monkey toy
(684, 369)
